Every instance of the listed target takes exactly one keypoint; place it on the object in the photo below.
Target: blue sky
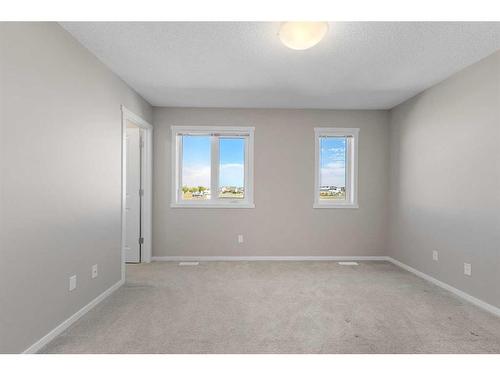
(232, 162)
(332, 161)
(196, 161)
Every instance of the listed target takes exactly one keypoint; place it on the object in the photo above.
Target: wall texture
(445, 180)
(61, 167)
(283, 222)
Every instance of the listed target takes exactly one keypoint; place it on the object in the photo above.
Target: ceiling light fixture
(302, 35)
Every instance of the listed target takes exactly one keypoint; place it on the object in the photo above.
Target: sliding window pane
(195, 167)
(232, 168)
(333, 168)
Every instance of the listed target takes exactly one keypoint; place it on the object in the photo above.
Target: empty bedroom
(249, 186)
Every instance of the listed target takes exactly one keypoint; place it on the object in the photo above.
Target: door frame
(146, 182)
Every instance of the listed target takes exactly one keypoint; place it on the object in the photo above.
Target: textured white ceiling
(359, 65)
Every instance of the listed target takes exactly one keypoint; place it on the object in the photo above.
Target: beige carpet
(279, 307)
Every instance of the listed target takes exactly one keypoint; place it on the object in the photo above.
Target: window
(336, 168)
(212, 166)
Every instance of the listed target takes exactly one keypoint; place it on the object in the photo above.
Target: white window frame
(351, 167)
(214, 201)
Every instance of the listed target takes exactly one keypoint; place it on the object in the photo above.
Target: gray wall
(60, 187)
(61, 167)
(445, 180)
(283, 222)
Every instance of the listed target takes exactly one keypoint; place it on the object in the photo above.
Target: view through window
(212, 166)
(336, 168)
(232, 168)
(196, 169)
(332, 179)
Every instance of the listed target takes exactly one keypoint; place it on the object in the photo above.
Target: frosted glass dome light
(302, 35)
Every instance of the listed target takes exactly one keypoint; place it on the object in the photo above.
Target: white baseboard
(262, 258)
(475, 301)
(61, 327)
(73, 318)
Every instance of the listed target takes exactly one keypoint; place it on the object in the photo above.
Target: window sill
(335, 205)
(212, 205)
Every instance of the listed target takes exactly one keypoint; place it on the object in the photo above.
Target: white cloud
(333, 174)
(196, 175)
(334, 153)
(199, 175)
(231, 166)
(232, 174)
(338, 150)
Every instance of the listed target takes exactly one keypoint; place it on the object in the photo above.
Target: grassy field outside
(233, 195)
(332, 196)
(203, 193)
(189, 196)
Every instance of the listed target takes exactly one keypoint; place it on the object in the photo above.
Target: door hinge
(141, 240)
(141, 192)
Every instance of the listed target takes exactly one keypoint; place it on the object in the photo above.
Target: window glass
(231, 168)
(195, 167)
(212, 166)
(332, 178)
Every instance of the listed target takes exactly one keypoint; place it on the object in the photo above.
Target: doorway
(136, 188)
(133, 193)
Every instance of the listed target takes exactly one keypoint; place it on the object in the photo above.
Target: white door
(133, 197)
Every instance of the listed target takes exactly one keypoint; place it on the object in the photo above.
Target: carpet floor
(279, 307)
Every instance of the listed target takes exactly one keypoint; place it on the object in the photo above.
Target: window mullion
(317, 166)
(246, 190)
(214, 169)
(348, 169)
(179, 167)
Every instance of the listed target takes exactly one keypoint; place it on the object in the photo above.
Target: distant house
(330, 189)
(232, 189)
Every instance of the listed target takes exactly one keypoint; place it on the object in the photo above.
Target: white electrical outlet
(467, 269)
(72, 283)
(240, 238)
(94, 271)
(435, 255)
